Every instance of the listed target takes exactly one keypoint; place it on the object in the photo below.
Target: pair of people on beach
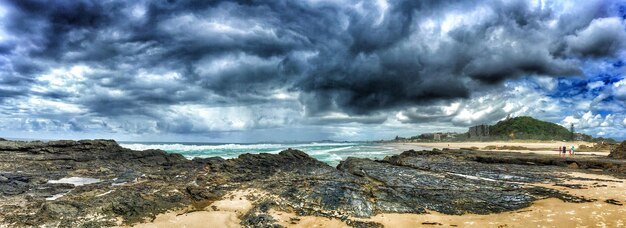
(564, 150)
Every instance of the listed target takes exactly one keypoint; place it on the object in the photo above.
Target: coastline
(539, 147)
(98, 183)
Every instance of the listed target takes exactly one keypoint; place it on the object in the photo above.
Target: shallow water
(76, 181)
(331, 153)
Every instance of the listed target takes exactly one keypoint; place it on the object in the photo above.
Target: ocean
(330, 153)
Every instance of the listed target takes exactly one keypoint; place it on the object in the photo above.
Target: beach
(99, 183)
(539, 147)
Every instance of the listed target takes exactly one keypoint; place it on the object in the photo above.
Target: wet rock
(552, 193)
(432, 223)
(14, 184)
(363, 224)
(134, 207)
(58, 210)
(614, 202)
(403, 188)
(572, 186)
(258, 216)
(200, 193)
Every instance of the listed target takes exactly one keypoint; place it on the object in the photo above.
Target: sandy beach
(542, 147)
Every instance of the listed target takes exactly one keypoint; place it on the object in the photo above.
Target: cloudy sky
(274, 70)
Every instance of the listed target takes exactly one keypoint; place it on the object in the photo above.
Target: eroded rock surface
(619, 152)
(134, 186)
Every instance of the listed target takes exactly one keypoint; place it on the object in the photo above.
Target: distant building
(479, 131)
(437, 137)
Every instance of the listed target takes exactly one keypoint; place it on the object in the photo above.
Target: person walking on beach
(572, 150)
(564, 150)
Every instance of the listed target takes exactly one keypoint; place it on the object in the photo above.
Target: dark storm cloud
(602, 38)
(356, 57)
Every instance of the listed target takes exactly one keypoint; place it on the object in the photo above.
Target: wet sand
(549, 212)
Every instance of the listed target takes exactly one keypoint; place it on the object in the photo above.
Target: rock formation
(619, 151)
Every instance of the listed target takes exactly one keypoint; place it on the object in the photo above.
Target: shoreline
(99, 183)
(545, 148)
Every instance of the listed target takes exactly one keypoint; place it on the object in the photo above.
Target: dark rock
(258, 216)
(363, 224)
(404, 189)
(58, 210)
(14, 184)
(547, 192)
(614, 202)
(572, 186)
(619, 152)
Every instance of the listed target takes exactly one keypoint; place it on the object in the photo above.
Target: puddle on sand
(55, 197)
(76, 181)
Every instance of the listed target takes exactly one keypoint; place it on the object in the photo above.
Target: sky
(283, 70)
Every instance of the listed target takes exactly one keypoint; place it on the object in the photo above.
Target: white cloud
(603, 36)
(619, 89)
(589, 120)
(595, 85)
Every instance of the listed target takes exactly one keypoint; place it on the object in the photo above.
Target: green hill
(525, 127)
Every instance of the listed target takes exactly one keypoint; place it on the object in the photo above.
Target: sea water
(329, 152)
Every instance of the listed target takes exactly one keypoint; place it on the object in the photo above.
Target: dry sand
(547, 147)
(543, 213)
(222, 213)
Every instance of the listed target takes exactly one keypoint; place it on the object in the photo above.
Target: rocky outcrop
(40, 183)
(619, 152)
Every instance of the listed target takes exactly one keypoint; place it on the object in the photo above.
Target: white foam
(326, 152)
(55, 197)
(183, 147)
(472, 177)
(334, 157)
(317, 152)
(106, 193)
(76, 181)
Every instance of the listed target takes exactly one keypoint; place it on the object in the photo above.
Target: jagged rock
(259, 217)
(13, 184)
(619, 152)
